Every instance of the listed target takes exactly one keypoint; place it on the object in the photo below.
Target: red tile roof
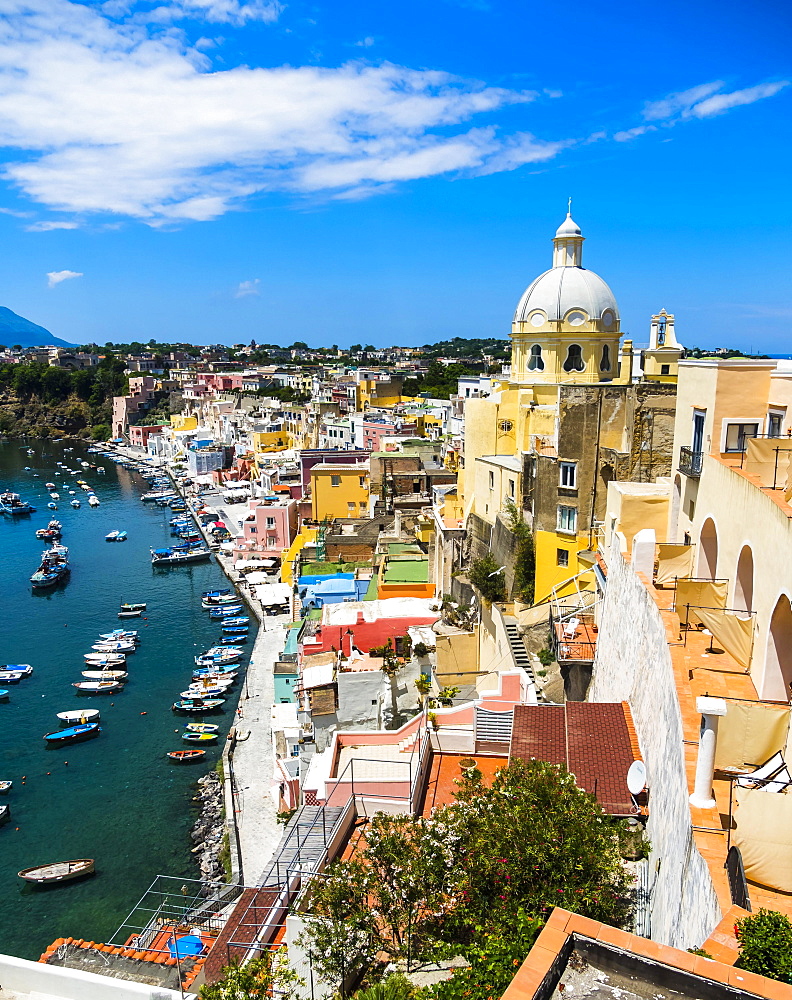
(591, 739)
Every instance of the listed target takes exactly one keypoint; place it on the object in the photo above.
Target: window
(567, 518)
(335, 480)
(492, 480)
(511, 488)
(574, 361)
(270, 522)
(254, 531)
(351, 506)
(775, 423)
(363, 481)
(605, 362)
(567, 475)
(363, 506)
(562, 557)
(737, 433)
(272, 542)
(697, 443)
(665, 369)
(535, 363)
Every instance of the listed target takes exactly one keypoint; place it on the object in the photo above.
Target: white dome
(562, 289)
(568, 228)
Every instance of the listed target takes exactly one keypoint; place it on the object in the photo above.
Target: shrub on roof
(765, 940)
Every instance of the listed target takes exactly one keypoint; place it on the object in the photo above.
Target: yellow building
(661, 358)
(269, 441)
(184, 422)
(568, 419)
(339, 491)
(376, 393)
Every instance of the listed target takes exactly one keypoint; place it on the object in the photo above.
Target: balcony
(690, 462)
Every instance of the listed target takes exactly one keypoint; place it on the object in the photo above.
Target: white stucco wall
(52, 981)
(633, 664)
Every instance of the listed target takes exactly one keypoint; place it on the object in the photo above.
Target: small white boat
(55, 496)
(61, 871)
(105, 659)
(105, 675)
(119, 635)
(93, 501)
(5, 786)
(97, 687)
(80, 717)
(129, 614)
(52, 506)
(111, 536)
(114, 646)
(75, 504)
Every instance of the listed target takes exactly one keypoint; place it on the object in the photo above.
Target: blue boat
(241, 620)
(228, 611)
(227, 627)
(4, 694)
(231, 640)
(216, 593)
(13, 505)
(74, 734)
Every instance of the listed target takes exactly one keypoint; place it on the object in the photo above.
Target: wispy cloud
(245, 288)
(706, 100)
(681, 102)
(236, 12)
(719, 103)
(56, 277)
(48, 225)
(365, 43)
(633, 133)
(117, 118)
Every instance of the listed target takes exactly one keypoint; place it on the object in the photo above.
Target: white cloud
(245, 288)
(216, 11)
(48, 225)
(680, 102)
(56, 277)
(365, 43)
(633, 133)
(704, 101)
(115, 119)
(719, 103)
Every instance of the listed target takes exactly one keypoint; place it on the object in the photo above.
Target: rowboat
(105, 675)
(199, 737)
(5, 787)
(5, 814)
(230, 640)
(186, 756)
(204, 691)
(105, 659)
(197, 704)
(4, 694)
(11, 674)
(201, 727)
(234, 629)
(111, 536)
(97, 687)
(235, 621)
(74, 734)
(215, 593)
(81, 716)
(129, 614)
(140, 606)
(217, 671)
(60, 871)
(114, 646)
(119, 635)
(229, 612)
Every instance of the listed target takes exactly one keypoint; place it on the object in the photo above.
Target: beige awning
(750, 733)
(699, 594)
(763, 832)
(673, 561)
(733, 632)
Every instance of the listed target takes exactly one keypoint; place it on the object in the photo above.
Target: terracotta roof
(593, 740)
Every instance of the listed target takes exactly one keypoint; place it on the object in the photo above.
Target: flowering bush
(766, 945)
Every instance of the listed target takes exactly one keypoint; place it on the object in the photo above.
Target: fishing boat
(199, 737)
(177, 556)
(114, 646)
(231, 640)
(75, 504)
(210, 674)
(50, 486)
(19, 670)
(140, 606)
(60, 871)
(74, 734)
(53, 568)
(111, 536)
(105, 675)
(129, 614)
(201, 727)
(215, 593)
(102, 471)
(82, 716)
(212, 601)
(204, 688)
(13, 505)
(221, 655)
(5, 787)
(93, 501)
(97, 687)
(186, 756)
(55, 496)
(197, 704)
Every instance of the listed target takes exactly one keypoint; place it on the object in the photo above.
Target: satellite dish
(636, 777)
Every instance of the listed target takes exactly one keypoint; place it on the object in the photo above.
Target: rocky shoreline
(209, 831)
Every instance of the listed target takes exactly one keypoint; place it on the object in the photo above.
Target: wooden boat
(129, 614)
(74, 734)
(96, 660)
(229, 612)
(113, 646)
(197, 704)
(186, 756)
(10, 674)
(119, 635)
(219, 600)
(175, 557)
(140, 606)
(5, 787)
(60, 871)
(111, 536)
(201, 673)
(201, 727)
(105, 675)
(81, 716)
(199, 737)
(97, 687)
(235, 621)
(204, 691)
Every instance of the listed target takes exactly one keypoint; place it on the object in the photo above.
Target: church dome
(568, 227)
(562, 290)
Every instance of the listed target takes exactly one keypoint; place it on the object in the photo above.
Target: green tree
(487, 577)
(255, 980)
(100, 432)
(765, 940)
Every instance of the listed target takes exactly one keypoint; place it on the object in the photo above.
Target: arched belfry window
(535, 362)
(605, 361)
(574, 359)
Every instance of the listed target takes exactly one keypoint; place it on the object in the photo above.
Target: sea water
(117, 798)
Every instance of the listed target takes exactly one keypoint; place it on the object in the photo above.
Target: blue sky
(221, 170)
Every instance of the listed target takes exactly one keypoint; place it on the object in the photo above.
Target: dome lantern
(568, 244)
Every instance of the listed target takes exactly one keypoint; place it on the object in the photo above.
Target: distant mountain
(18, 330)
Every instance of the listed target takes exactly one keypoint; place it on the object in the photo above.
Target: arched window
(535, 362)
(708, 550)
(778, 662)
(574, 360)
(605, 364)
(743, 585)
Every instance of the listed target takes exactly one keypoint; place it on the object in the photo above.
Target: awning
(272, 594)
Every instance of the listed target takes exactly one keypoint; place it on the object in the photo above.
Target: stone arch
(708, 551)
(778, 659)
(744, 580)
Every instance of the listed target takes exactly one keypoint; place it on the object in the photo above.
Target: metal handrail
(690, 462)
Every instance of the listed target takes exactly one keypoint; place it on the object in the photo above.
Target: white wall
(53, 981)
(633, 664)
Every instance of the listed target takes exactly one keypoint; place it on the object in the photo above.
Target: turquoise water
(116, 798)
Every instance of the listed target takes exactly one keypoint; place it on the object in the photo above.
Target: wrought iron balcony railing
(690, 462)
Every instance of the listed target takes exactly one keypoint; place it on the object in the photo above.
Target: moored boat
(13, 505)
(140, 606)
(197, 704)
(186, 756)
(201, 727)
(230, 611)
(81, 717)
(5, 787)
(59, 871)
(129, 614)
(114, 646)
(19, 670)
(53, 568)
(177, 556)
(5, 814)
(75, 504)
(96, 660)
(105, 675)
(93, 500)
(97, 687)
(73, 734)
(111, 536)
(5, 694)
(199, 737)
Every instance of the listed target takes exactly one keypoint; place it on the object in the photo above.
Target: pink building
(373, 432)
(270, 526)
(140, 433)
(141, 394)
